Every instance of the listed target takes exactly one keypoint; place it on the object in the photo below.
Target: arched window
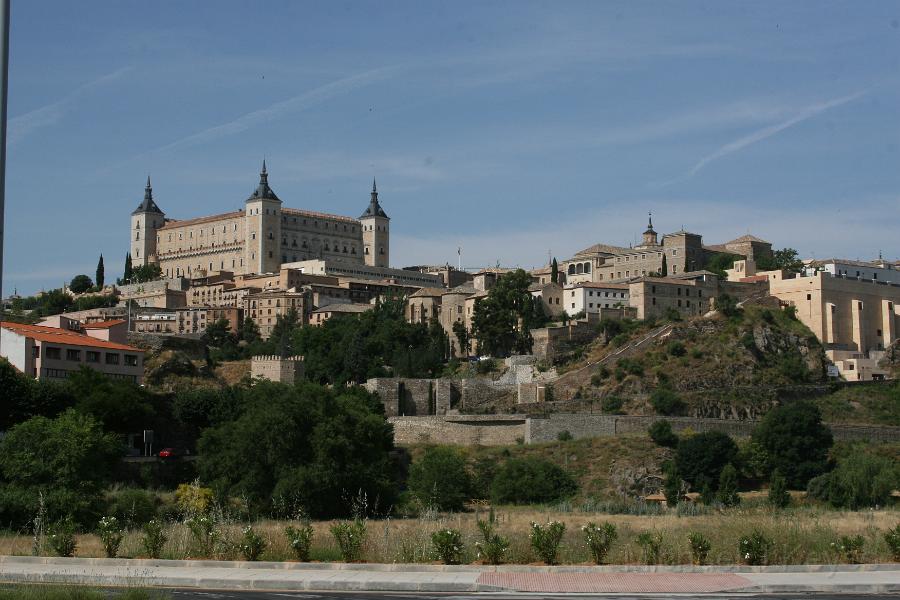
(579, 269)
(587, 267)
(571, 269)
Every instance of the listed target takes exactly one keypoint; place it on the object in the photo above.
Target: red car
(168, 453)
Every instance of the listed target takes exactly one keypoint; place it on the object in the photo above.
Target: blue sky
(512, 129)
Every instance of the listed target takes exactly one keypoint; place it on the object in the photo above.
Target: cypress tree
(778, 493)
(554, 271)
(728, 486)
(664, 270)
(98, 280)
(129, 273)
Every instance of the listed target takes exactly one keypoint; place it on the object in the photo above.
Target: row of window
(687, 291)
(90, 356)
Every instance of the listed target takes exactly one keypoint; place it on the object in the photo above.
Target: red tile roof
(103, 324)
(62, 336)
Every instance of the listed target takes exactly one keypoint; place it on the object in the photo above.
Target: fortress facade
(257, 239)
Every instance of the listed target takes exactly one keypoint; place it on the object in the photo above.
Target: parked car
(169, 453)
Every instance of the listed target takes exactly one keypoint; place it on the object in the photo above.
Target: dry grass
(802, 536)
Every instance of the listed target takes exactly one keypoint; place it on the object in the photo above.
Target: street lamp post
(4, 80)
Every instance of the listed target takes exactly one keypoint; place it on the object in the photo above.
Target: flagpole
(4, 81)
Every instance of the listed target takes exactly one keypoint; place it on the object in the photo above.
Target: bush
(153, 538)
(564, 436)
(794, 440)
(727, 305)
(545, 540)
(666, 402)
(700, 547)
(662, 435)
(671, 484)
(700, 458)
(440, 479)
(755, 548)
(892, 539)
(300, 540)
(132, 506)
(728, 486)
(61, 537)
(203, 530)
(632, 366)
(192, 499)
(859, 480)
(111, 534)
(531, 481)
(651, 546)
(447, 544)
(350, 537)
(778, 493)
(850, 548)
(494, 547)
(252, 545)
(599, 539)
(611, 405)
(676, 348)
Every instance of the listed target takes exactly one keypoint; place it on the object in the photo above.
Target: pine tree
(554, 271)
(728, 486)
(664, 270)
(128, 270)
(778, 493)
(672, 484)
(98, 280)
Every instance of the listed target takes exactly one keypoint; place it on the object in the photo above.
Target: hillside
(731, 367)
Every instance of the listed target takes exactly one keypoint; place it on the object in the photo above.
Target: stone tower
(376, 232)
(263, 228)
(650, 238)
(145, 220)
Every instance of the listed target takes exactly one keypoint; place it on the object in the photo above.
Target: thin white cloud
(22, 126)
(767, 132)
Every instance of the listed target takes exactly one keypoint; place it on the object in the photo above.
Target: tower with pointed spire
(649, 237)
(262, 251)
(145, 220)
(375, 232)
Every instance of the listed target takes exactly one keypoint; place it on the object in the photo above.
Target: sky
(512, 130)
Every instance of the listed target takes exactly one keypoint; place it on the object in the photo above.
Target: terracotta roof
(428, 292)
(845, 261)
(747, 238)
(62, 336)
(103, 324)
(601, 285)
(172, 224)
(464, 288)
(602, 249)
(344, 307)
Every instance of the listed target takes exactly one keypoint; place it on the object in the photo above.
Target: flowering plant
(850, 548)
(447, 546)
(61, 537)
(599, 539)
(755, 548)
(700, 547)
(300, 540)
(545, 540)
(350, 536)
(111, 534)
(252, 544)
(494, 546)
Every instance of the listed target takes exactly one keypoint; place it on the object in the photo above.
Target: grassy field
(802, 535)
(54, 592)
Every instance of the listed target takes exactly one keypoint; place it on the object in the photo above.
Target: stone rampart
(460, 430)
(276, 368)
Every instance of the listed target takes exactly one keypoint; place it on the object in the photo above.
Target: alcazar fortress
(257, 239)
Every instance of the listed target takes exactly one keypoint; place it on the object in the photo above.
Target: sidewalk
(225, 575)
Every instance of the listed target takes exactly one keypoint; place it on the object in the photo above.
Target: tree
(778, 492)
(728, 486)
(794, 441)
(145, 273)
(700, 458)
(440, 479)
(554, 271)
(68, 460)
(530, 481)
(719, 262)
(786, 259)
(727, 305)
(860, 480)
(664, 269)
(672, 485)
(128, 270)
(218, 334)
(119, 405)
(80, 284)
(248, 331)
(282, 335)
(313, 446)
(666, 402)
(99, 279)
(503, 319)
(462, 337)
(661, 433)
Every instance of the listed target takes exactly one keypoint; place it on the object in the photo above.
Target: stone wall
(461, 430)
(549, 341)
(404, 396)
(276, 368)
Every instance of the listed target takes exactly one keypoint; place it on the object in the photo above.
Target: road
(229, 595)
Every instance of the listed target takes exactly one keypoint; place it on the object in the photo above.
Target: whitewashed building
(590, 296)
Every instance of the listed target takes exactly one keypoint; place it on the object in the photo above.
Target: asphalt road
(214, 595)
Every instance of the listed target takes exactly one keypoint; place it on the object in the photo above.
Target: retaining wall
(463, 430)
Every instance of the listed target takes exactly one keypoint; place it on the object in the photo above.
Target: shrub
(252, 545)
(494, 547)
(545, 540)
(672, 487)
(203, 530)
(676, 348)
(564, 436)
(300, 540)
(599, 539)
(192, 499)
(61, 537)
(611, 405)
(661, 433)
(350, 537)
(700, 547)
(850, 548)
(651, 546)
(153, 538)
(794, 440)
(696, 353)
(727, 305)
(859, 480)
(892, 539)
(728, 486)
(700, 458)
(440, 479)
(632, 366)
(448, 546)
(778, 493)
(755, 548)
(110, 531)
(530, 481)
(666, 402)
(132, 506)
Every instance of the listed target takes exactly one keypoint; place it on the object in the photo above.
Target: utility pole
(4, 83)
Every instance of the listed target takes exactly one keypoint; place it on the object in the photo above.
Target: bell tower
(376, 232)
(262, 247)
(650, 238)
(145, 220)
